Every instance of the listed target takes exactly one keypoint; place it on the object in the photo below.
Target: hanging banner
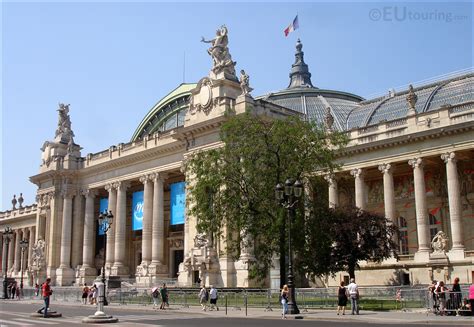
(103, 207)
(137, 210)
(178, 202)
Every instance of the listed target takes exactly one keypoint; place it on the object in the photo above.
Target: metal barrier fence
(449, 303)
(373, 298)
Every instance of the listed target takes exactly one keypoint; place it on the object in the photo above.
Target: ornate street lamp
(23, 247)
(288, 195)
(7, 238)
(105, 221)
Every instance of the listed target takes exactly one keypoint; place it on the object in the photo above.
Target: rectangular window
(137, 210)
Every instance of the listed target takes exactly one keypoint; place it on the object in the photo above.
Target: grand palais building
(410, 157)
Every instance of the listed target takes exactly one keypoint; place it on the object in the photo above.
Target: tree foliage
(233, 188)
(342, 237)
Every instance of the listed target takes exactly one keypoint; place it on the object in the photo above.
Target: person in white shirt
(213, 298)
(353, 290)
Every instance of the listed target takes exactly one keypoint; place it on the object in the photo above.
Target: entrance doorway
(178, 256)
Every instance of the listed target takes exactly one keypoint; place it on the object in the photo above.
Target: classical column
(454, 198)
(110, 246)
(388, 191)
(420, 204)
(77, 231)
(11, 252)
(157, 254)
(333, 191)
(358, 174)
(18, 237)
(4, 257)
(65, 258)
(31, 243)
(147, 219)
(119, 267)
(40, 220)
(89, 230)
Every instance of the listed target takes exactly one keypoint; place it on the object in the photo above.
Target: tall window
(433, 226)
(403, 241)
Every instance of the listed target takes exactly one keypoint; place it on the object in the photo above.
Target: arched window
(403, 240)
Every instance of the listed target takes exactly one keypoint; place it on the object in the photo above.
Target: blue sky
(113, 61)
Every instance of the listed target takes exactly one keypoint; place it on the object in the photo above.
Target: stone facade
(417, 170)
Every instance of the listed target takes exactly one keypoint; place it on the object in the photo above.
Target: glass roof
(454, 92)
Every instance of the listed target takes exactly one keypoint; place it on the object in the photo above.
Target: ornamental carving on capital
(122, 185)
(357, 172)
(109, 187)
(385, 168)
(89, 192)
(68, 193)
(448, 156)
(330, 178)
(145, 179)
(415, 163)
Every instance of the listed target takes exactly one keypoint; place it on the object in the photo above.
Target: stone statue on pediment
(440, 242)
(245, 83)
(64, 131)
(200, 240)
(219, 52)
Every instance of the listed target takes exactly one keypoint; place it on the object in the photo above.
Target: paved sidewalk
(385, 317)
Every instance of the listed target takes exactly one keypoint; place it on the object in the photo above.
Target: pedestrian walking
(441, 292)
(213, 298)
(95, 293)
(18, 289)
(353, 289)
(456, 295)
(155, 295)
(46, 292)
(13, 290)
(9, 288)
(432, 289)
(203, 297)
(37, 289)
(164, 297)
(341, 299)
(471, 298)
(284, 301)
(85, 294)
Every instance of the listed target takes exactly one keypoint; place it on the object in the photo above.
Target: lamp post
(288, 195)
(23, 247)
(105, 221)
(7, 237)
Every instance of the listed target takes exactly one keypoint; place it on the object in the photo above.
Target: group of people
(350, 292)
(160, 294)
(89, 294)
(446, 301)
(13, 290)
(210, 297)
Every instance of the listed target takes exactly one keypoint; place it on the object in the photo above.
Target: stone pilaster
(358, 175)
(53, 234)
(77, 231)
(455, 210)
(333, 191)
(119, 268)
(147, 219)
(4, 256)
(110, 242)
(31, 243)
(421, 210)
(64, 274)
(88, 271)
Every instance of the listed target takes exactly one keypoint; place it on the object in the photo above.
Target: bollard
(226, 304)
(246, 300)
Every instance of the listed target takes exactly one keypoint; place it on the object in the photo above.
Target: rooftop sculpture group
(222, 60)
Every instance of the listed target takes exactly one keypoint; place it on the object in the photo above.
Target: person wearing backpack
(203, 298)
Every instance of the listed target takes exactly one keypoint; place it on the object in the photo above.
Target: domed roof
(352, 111)
(303, 97)
(167, 114)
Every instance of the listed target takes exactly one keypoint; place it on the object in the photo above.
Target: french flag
(292, 27)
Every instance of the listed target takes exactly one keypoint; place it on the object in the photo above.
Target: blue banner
(103, 207)
(178, 203)
(137, 210)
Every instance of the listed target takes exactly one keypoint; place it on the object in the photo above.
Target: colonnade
(422, 215)
(11, 260)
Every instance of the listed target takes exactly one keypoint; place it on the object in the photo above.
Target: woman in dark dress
(341, 299)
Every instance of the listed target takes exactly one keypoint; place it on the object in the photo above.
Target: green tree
(233, 188)
(342, 237)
